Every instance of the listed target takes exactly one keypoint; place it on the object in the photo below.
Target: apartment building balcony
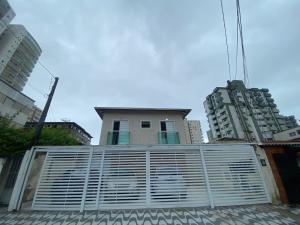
(168, 138)
(118, 138)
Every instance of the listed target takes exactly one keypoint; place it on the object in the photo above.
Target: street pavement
(237, 215)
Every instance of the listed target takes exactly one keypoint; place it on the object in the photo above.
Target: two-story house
(142, 126)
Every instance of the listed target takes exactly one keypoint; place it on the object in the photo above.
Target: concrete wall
(268, 175)
(33, 179)
(140, 135)
(269, 151)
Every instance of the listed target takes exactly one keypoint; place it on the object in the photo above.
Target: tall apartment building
(240, 113)
(193, 131)
(143, 126)
(6, 15)
(19, 54)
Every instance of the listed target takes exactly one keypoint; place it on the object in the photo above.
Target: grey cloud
(156, 53)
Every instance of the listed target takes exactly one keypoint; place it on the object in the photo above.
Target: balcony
(118, 138)
(168, 138)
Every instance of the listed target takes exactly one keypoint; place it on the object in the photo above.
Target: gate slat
(173, 176)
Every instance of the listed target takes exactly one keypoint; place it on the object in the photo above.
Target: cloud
(156, 53)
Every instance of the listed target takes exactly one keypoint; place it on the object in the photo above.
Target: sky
(154, 53)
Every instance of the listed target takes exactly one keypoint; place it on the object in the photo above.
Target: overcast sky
(157, 53)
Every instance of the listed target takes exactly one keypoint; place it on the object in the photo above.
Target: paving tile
(260, 215)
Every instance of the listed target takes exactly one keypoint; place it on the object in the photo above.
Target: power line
(51, 74)
(240, 26)
(52, 114)
(237, 45)
(225, 30)
(37, 90)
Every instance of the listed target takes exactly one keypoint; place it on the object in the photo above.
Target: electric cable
(237, 45)
(239, 19)
(226, 39)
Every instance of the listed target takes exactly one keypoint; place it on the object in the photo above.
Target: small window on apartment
(293, 134)
(298, 131)
(145, 124)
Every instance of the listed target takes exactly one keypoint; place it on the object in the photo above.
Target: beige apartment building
(193, 131)
(142, 126)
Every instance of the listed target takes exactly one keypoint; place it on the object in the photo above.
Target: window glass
(145, 124)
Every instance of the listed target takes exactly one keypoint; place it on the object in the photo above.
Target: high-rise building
(19, 54)
(6, 15)
(193, 131)
(240, 113)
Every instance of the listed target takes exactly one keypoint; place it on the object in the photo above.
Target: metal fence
(101, 177)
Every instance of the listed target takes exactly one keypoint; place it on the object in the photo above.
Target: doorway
(289, 169)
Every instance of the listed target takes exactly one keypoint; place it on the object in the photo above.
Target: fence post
(40, 177)
(148, 187)
(100, 178)
(261, 174)
(19, 188)
(210, 197)
(86, 179)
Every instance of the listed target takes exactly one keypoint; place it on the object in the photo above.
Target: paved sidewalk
(259, 215)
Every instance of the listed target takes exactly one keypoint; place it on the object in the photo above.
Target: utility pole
(39, 126)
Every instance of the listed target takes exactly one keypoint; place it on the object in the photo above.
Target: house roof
(102, 110)
(281, 143)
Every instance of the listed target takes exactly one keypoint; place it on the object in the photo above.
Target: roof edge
(102, 110)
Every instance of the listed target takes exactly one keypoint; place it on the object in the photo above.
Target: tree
(15, 141)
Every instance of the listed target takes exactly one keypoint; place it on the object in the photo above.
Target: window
(145, 124)
(293, 134)
(168, 133)
(298, 131)
(120, 133)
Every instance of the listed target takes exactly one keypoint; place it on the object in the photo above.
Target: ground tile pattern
(259, 215)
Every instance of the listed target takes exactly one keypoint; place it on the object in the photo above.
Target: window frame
(147, 121)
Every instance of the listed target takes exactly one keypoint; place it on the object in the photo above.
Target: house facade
(142, 126)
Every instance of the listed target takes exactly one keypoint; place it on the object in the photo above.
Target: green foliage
(15, 141)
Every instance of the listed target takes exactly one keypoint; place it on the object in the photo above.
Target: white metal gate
(101, 177)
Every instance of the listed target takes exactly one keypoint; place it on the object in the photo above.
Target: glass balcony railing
(118, 138)
(168, 138)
